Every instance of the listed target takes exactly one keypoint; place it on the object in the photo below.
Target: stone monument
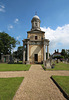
(35, 44)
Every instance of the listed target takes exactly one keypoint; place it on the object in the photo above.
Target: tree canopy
(7, 43)
(19, 53)
(65, 53)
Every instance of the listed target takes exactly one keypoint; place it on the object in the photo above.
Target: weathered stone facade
(5, 58)
(35, 49)
(35, 44)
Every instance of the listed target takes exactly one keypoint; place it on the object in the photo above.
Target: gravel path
(37, 84)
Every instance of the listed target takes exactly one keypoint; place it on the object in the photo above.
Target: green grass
(43, 67)
(14, 67)
(63, 82)
(60, 66)
(8, 87)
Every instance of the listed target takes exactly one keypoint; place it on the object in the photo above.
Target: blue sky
(16, 15)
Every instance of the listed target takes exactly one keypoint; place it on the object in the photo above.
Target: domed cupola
(35, 23)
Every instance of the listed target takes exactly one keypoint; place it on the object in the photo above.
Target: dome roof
(36, 17)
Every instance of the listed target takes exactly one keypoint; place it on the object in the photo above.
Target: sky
(16, 16)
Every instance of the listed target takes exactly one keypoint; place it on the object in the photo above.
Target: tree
(64, 53)
(19, 53)
(47, 55)
(67, 53)
(7, 43)
(58, 57)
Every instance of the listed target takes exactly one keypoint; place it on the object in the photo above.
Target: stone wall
(35, 49)
(32, 36)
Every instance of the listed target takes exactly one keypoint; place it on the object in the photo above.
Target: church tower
(35, 44)
(35, 23)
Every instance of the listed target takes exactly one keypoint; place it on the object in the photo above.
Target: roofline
(35, 31)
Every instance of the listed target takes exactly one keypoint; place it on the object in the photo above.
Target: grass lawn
(59, 66)
(14, 67)
(8, 87)
(63, 81)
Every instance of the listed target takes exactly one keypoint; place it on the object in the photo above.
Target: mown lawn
(14, 67)
(59, 66)
(63, 82)
(8, 87)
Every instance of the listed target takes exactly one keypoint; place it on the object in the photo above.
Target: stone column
(28, 52)
(47, 51)
(44, 52)
(23, 54)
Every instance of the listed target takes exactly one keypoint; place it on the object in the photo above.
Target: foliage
(7, 43)
(43, 67)
(63, 81)
(14, 67)
(19, 53)
(65, 53)
(58, 57)
(60, 66)
(8, 87)
(47, 55)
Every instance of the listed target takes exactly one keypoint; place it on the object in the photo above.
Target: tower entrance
(35, 57)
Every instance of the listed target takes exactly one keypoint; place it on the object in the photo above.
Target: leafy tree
(7, 43)
(47, 55)
(58, 57)
(64, 53)
(67, 53)
(19, 53)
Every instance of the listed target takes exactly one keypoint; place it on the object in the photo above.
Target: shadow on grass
(63, 92)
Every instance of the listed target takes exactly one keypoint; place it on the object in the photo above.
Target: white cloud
(10, 27)
(2, 8)
(16, 20)
(59, 38)
(18, 37)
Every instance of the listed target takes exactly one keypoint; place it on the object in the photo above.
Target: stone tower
(35, 44)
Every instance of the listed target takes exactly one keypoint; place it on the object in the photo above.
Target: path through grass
(8, 87)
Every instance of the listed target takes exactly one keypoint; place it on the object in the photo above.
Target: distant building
(35, 43)
(5, 58)
(56, 53)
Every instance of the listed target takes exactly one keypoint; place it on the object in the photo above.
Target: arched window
(35, 24)
(35, 37)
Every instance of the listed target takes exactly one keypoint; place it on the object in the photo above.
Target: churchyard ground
(41, 88)
(63, 82)
(14, 67)
(8, 87)
(58, 66)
